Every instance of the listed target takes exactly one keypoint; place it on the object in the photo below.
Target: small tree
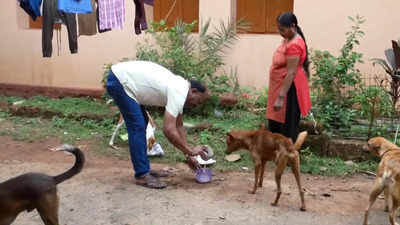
(332, 75)
(374, 102)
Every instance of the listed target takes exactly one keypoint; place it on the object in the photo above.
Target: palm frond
(383, 64)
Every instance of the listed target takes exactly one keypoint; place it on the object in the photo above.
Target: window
(186, 10)
(262, 13)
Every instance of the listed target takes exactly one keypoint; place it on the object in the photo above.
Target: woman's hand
(278, 103)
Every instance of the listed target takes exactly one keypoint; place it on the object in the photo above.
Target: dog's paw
(274, 204)
(303, 209)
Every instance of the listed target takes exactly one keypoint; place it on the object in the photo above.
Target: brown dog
(36, 191)
(387, 176)
(266, 146)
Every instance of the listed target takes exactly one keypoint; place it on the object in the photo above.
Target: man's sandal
(150, 181)
(159, 173)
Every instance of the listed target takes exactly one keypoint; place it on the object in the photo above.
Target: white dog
(153, 148)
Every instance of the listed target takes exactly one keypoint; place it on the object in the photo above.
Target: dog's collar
(389, 150)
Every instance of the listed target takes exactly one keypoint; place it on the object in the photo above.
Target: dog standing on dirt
(266, 146)
(36, 191)
(387, 176)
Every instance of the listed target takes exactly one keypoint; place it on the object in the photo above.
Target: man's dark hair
(197, 85)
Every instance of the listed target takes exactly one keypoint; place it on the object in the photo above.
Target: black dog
(36, 191)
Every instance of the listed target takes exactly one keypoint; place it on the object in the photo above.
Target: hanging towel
(98, 20)
(52, 15)
(87, 22)
(75, 6)
(111, 14)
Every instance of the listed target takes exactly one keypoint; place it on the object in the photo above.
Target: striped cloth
(111, 14)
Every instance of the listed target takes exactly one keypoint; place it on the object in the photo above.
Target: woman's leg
(275, 127)
(135, 123)
(292, 120)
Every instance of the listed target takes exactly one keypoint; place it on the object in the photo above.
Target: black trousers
(52, 15)
(291, 126)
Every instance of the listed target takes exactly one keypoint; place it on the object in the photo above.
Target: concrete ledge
(27, 91)
(346, 149)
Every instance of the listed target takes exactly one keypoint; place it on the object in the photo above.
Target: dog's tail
(300, 140)
(79, 162)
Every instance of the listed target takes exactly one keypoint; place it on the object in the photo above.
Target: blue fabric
(35, 5)
(32, 7)
(75, 6)
(135, 118)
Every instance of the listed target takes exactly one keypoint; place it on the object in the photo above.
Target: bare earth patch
(105, 194)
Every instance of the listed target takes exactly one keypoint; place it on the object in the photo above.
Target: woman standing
(288, 92)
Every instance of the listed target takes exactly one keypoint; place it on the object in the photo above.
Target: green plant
(178, 50)
(390, 83)
(4, 114)
(262, 97)
(336, 79)
(68, 105)
(334, 116)
(374, 102)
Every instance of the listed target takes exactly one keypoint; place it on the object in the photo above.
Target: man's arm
(175, 135)
(181, 129)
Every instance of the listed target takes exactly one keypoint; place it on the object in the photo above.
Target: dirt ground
(104, 193)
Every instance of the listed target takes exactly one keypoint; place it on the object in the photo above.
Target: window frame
(268, 10)
(186, 10)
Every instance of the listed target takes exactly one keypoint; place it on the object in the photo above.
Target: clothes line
(94, 16)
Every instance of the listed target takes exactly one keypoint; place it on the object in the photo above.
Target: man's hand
(200, 150)
(192, 163)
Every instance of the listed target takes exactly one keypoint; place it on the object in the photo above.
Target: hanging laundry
(111, 14)
(75, 6)
(98, 19)
(149, 2)
(52, 15)
(87, 22)
(32, 7)
(140, 17)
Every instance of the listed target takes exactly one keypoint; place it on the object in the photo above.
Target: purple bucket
(203, 175)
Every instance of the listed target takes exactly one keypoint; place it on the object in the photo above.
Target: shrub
(336, 80)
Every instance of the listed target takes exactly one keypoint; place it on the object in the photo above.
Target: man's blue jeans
(136, 119)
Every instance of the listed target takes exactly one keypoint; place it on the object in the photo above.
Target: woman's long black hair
(287, 19)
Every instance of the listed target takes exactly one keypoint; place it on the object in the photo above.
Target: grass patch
(10, 99)
(68, 130)
(69, 105)
(332, 166)
(98, 133)
(66, 106)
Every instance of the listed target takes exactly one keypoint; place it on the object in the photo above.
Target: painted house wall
(323, 22)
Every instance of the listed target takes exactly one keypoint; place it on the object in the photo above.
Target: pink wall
(324, 24)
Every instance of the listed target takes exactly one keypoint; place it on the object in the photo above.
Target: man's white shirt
(151, 84)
